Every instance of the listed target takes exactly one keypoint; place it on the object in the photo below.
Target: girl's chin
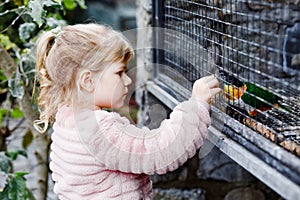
(114, 106)
(117, 106)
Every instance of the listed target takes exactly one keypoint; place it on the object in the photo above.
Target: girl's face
(111, 86)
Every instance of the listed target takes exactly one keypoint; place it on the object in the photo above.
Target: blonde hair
(60, 56)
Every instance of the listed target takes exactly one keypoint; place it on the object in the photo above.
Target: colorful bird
(259, 98)
(234, 88)
(233, 92)
(247, 95)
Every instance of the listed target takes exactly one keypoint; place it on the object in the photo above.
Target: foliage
(19, 36)
(14, 113)
(13, 185)
(21, 23)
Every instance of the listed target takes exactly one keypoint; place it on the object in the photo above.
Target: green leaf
(17, 189)
(72, 4)
(20, 174)
(2, 76)
(27, 67)
(5, 163)
(6, 43)
(36, 11)
(4, 193)
(15, 86)
(22, 152)
(14, 154)
(16, 113)
(17, 2)
(30, 195)
(27, 139)
(69, 4)
(25, 2)
(25, 30)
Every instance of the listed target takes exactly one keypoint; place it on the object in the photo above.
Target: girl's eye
(120, 73)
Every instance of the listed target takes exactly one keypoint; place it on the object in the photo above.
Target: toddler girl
(96, 154)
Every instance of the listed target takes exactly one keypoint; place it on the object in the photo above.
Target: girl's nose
(127, 80)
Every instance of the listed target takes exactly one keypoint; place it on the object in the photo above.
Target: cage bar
(253, 47)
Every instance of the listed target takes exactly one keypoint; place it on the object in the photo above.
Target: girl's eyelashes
(120, 73)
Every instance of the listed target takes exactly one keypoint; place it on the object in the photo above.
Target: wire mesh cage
(253, 47)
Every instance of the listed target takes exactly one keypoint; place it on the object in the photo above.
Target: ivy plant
(13, 185)
(21, 23)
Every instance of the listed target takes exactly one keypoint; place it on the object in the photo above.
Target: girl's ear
(86, 81)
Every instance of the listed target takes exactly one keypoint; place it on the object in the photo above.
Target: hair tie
(40, 126)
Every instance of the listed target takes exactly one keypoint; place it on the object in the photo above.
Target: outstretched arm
(124, 147)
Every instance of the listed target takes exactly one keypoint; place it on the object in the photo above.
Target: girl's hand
(206, 88)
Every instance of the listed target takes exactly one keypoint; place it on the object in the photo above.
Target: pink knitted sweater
(100, 155)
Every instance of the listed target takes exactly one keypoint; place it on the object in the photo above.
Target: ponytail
(44, 45)
(61, 54)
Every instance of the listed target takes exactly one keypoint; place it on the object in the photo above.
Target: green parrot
(248, 95)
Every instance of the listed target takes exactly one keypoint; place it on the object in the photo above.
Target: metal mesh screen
(253, 47)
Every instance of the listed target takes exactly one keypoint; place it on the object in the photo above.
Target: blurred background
(24, 172)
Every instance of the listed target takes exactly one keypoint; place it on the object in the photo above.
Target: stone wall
(214, 176)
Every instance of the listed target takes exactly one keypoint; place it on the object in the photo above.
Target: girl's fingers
(207, 87)
(213, 83)
(209, 78)
(206, 79)
(215, 91)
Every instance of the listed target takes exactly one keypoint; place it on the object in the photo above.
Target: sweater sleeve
(122, 146)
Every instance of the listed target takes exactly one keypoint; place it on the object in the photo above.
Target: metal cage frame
(277, 167)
